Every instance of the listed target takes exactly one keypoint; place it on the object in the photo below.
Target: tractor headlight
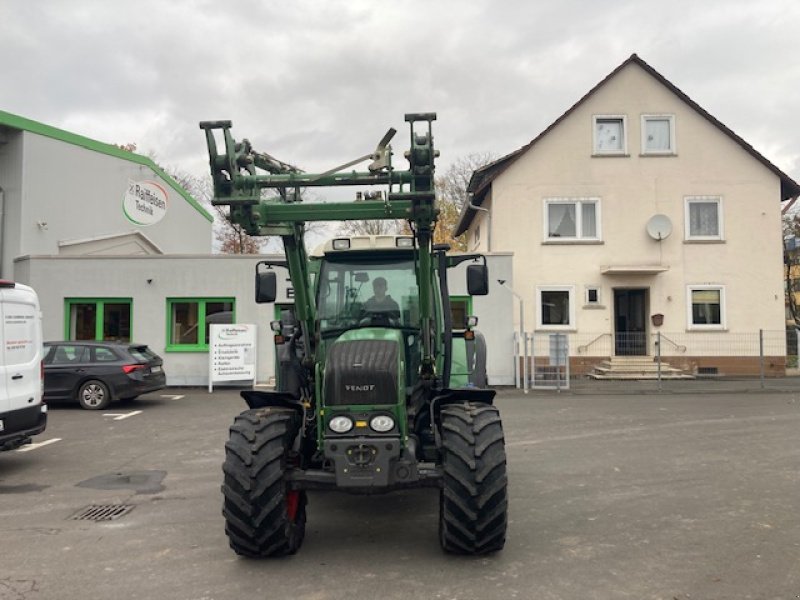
(381, 423)
(341, 424)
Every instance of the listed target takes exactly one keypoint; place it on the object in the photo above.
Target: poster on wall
(145, 202)
(232, 353)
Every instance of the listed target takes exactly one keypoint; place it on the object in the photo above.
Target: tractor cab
(367, 283)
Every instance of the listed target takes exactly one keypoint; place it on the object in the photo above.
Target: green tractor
(376, 390)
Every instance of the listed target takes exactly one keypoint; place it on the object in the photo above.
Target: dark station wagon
(95, 373)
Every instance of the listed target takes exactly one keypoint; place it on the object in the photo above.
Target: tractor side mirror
(477, 280)
(266, 287)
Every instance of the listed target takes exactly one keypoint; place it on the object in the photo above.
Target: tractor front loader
(377, 389)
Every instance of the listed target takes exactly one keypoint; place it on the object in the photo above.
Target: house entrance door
(630, 322)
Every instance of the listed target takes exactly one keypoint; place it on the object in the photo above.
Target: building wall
(11, 184)
(57, 278)
(79, 194)
(494, 312)
(632, 189)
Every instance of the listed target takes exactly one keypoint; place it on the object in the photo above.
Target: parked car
(95, 373)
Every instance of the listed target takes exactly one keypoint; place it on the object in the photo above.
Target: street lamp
(522, 338)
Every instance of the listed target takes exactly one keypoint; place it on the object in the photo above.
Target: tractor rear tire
(263, 517)
(473, 507)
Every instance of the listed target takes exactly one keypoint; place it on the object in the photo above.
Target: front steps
(635, 367)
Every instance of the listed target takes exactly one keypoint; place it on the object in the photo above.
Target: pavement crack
(17, 589)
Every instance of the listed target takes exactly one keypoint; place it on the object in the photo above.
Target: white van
(22, 413)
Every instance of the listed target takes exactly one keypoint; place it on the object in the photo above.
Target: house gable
(482, 179)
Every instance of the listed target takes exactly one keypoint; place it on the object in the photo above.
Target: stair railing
(679, 347)
(582, 349)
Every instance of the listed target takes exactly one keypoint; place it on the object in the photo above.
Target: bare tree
(451, 190)
(230, 237)
(370, 227)
(791, 259)
(451, 193)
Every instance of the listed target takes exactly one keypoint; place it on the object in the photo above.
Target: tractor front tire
(473, 513)
(263, 517)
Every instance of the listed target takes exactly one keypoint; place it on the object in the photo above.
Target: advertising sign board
(232, 353)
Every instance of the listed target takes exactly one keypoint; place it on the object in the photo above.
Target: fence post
(525, 382)
(761, 355)
(558, 362)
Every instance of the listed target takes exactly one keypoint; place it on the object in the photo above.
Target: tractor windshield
(355, 293)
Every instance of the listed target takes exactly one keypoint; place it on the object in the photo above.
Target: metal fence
(552, 360)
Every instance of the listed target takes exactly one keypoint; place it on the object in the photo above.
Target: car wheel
(94, 395)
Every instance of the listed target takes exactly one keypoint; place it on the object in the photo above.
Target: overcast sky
(316, 83)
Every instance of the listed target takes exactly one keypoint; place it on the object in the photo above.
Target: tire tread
(254, 487)
(474, 500)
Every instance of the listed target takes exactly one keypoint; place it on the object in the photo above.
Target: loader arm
(410, 197)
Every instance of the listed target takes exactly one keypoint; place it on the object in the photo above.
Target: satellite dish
(659, 227)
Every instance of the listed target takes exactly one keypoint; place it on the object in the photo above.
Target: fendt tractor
(376, 390)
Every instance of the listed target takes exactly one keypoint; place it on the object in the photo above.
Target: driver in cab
(381, 304)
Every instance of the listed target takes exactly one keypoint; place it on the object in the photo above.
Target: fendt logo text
(359, 388)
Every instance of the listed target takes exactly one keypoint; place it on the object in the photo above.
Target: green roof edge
(17, 122)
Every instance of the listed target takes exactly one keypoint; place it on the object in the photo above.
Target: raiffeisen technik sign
(145, 202)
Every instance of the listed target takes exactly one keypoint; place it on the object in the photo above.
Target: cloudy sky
(316, 83)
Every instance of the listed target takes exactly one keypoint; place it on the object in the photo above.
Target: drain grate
(102, 512)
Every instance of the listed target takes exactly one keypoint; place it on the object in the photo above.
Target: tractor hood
(365, 367)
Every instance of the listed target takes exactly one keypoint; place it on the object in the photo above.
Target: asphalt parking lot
(673, 496)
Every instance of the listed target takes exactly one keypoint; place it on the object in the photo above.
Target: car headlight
(382, 423)
(341, 424)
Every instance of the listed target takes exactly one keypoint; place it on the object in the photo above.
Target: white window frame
(691, 325)
(673, 149)
(578, 202)
(688, 201)
(624, 150)
(570, 289)
(599, 300)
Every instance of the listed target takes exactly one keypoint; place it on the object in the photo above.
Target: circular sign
(145, 202)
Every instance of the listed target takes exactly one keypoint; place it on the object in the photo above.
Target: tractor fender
(259, 399)
(445, 397)
(476, 356)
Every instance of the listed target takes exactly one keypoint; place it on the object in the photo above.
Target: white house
(636, 218)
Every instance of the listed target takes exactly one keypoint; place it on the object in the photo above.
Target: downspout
(488, 221)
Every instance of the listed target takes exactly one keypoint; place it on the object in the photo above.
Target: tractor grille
(361, 372)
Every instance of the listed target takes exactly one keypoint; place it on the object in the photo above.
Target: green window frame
(184, 316)
(100, 319)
